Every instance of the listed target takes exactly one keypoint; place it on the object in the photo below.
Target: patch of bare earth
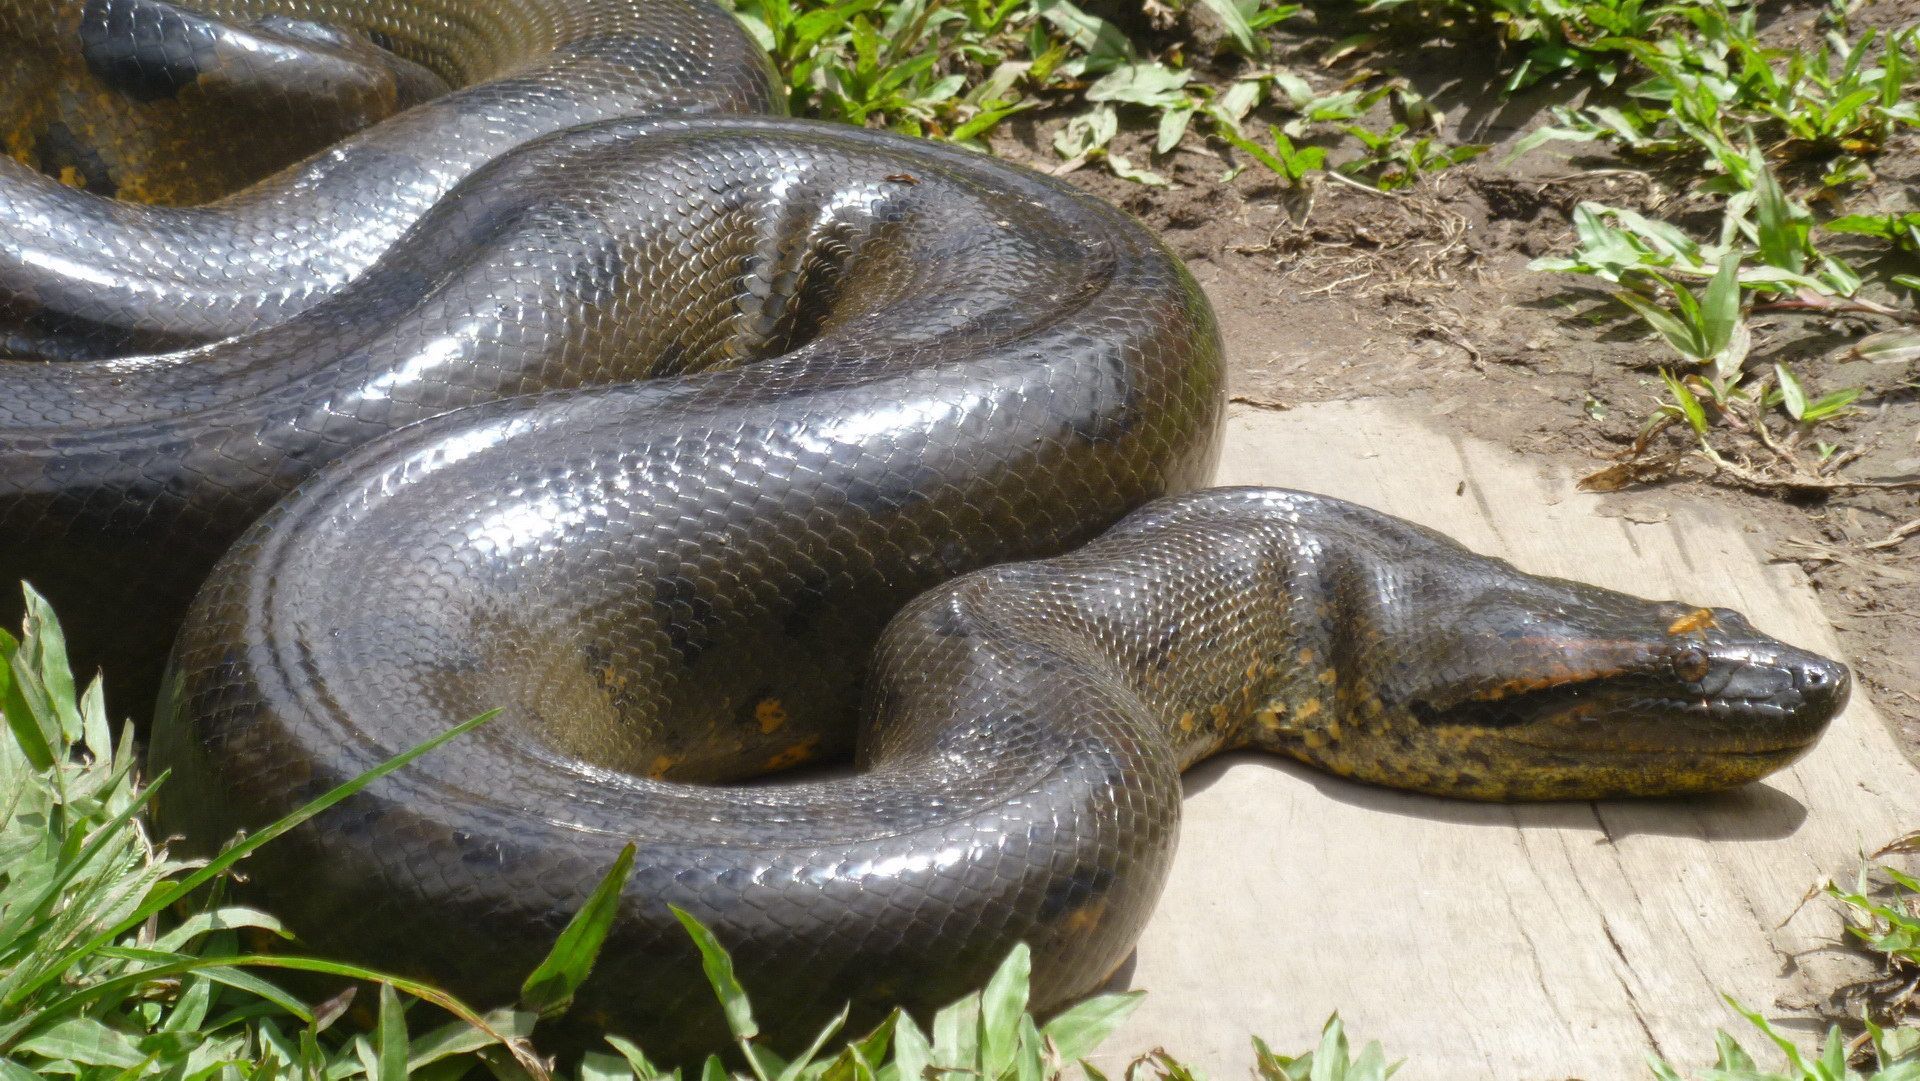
(1425, 296)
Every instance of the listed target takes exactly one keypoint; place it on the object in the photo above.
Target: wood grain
(1509, 942)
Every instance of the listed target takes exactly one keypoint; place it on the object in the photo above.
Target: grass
(1689, 86)
(119, 961)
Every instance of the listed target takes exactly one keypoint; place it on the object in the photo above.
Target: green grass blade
(549, 989)
(165, 897)
(391, 1042)
(719, 968)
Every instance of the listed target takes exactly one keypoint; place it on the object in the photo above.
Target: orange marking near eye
(1697, 621)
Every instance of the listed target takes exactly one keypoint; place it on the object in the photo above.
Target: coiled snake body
(640, 428)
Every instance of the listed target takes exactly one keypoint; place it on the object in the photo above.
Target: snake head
(1537, 688)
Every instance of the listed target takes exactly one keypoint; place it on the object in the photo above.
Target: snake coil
(548, 394)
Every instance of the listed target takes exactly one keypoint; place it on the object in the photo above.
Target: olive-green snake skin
(548, 393)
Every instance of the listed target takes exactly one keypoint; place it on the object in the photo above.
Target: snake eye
(1692, 664)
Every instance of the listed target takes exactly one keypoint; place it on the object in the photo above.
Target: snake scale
(535, 375)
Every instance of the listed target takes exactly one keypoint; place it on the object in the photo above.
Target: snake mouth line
(1645, 753)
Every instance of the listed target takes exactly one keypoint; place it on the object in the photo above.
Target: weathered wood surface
(1518, 943)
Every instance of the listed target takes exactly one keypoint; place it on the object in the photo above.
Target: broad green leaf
(1123, 168)
(600, 1066)
(1781, 230)
(1792, 396)
(1173, 128)
(636, 1060)
(390, 1038)
(1002, 1003)
(549, 988)
(1690, 407)
(719, 968)
(794, 1069)
(1029, 1057)
(1095, 36)
(55, 674)
(956, 1035)
(1678, 334)
(460, 1038)
(1143, 83)
(1077, 1031)
(86, 1041)
(912, 1053)
(1720, 309)
(34, 730)
(1828, 405)
(1330, 1058)
(1888, 347)
(1236, 26)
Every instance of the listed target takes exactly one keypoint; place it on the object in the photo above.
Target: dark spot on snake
(58, 150)
(1159, 650)
(1074, 890)
(144, 50)
(670, 359)
(599, 269)
(809, 603)
(481, 222)
(683, 613)
(475, 854)
(389, 292)
(1114, 408)
(65, 336)
(880, 497)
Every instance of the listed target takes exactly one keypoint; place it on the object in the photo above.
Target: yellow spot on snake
(71, 177)
(794, 755)
(1306, 656)
(1186, 721)
(1328, 677)
(771, 714)
(1272, 717)
(1697, 621)
(1084, 919)
(1309, 709)
(660, 766)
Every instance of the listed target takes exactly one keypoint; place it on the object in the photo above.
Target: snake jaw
(1544, 689)
(1718, 713)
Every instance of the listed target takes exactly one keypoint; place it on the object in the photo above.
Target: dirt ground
(1425, 296)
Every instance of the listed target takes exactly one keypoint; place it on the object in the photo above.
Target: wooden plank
(1510, 942)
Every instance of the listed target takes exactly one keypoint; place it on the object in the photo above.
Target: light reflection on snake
(641, 425)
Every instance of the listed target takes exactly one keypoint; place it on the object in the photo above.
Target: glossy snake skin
(640, 429)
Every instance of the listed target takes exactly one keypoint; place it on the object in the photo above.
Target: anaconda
(641, 431)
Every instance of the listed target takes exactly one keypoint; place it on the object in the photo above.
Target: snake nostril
(1824, 685)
